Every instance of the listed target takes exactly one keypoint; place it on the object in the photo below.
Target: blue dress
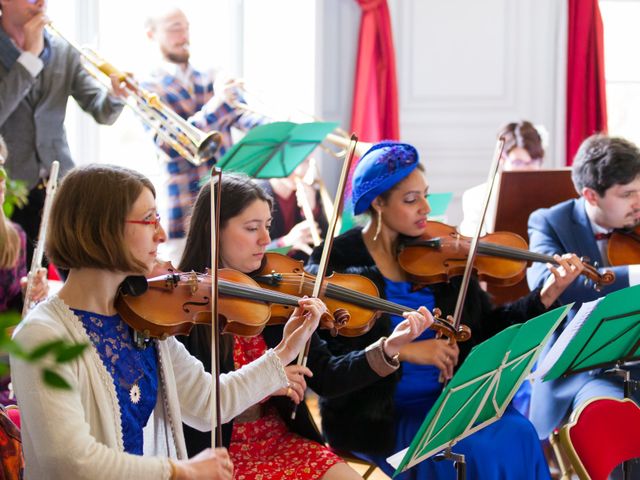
(134, 372)
(506, 449)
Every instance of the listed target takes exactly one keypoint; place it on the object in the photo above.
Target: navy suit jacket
(564, 228)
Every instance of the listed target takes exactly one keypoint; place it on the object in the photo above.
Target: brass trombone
(191, 143)
(339, 138)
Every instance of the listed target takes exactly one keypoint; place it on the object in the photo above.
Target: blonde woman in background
(13, 255)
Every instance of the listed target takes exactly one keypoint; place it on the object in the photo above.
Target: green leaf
(69, 352)
(45, 348)
(9, 319)
(13, 348)
(4, 369)
(54, 380)
(16, 196)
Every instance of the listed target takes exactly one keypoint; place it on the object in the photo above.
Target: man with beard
(38, 73)
(606, 174)
(200, 97)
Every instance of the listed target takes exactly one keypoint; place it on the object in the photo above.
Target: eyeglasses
(155, 223)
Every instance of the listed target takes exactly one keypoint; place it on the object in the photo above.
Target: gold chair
(600, 435)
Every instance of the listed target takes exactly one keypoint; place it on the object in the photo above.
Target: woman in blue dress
(382, 419)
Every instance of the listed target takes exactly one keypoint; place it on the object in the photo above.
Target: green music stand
(609, 336)
(275, 150)
(480, 391)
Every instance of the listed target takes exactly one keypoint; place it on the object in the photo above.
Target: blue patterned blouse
(134, 372)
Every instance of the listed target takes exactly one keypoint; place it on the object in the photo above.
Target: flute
(36, 260)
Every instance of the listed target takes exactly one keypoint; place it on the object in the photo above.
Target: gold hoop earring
(379, 226)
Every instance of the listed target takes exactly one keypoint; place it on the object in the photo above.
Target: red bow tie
(602, 236)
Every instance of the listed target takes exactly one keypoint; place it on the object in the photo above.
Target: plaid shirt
(191, 96)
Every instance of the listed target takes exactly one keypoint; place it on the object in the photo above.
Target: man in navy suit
(606, 173)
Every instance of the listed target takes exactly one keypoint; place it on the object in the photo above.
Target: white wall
(464, 68)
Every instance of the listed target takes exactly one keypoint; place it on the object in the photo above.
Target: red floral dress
(265, 449)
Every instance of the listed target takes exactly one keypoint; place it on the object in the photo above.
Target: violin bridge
(192, 281)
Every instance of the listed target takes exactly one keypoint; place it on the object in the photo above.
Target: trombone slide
(308, 212)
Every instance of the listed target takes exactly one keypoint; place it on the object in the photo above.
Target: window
(622, 71)
(250, 39)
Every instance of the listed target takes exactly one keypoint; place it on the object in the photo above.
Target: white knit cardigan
(77, 433)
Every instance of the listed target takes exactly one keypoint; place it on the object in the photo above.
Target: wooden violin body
(284, 274)
(173, 303)
(623, 247)
(447, 256)
(358, 294)
(502, 257)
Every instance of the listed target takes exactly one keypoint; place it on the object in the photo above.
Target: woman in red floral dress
(264, 443)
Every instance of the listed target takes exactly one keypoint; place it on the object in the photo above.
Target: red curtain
(374, 115)
(586, 95)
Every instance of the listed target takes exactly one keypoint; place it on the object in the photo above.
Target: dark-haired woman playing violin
(382, 419)
(122, 416)
(262, 440)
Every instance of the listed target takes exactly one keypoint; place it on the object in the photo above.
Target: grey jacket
(32, 110)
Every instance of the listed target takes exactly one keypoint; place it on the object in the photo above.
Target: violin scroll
(445, 328)
(598, 278)
(335, 322)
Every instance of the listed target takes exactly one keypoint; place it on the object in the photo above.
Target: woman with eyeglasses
(390, 185)
(13, 255)
(522, 151)
(122, 417)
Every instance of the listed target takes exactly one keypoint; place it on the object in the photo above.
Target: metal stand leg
(458, 460)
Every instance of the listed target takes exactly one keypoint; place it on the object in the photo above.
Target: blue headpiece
(384, 165)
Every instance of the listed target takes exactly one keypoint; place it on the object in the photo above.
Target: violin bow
(473, 247)
(328, 241)
(216, 186)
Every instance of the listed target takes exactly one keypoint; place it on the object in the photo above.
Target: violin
(623, 247)
(356, 293)
(502, 257)
(171, 304)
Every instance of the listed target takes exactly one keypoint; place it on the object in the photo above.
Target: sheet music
(563, 340)
(395, 459)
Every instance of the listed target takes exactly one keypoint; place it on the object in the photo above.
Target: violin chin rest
(134, 285)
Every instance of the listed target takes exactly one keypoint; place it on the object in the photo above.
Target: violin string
(368, 301)
(363, 299)
(512, 252)
(251, 292)
(257, 293)
(339, 292)
(528, 255)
